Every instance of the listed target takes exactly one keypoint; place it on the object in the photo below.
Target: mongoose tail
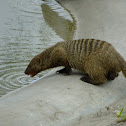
(124, 71)
(122, 64)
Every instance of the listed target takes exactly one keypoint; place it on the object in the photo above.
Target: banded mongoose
(97, 59)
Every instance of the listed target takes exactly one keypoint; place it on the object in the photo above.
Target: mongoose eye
(38, 60)
(29, 66)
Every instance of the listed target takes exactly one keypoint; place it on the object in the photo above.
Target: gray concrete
(58, 100)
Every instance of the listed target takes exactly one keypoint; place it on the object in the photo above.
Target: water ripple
(24, 34)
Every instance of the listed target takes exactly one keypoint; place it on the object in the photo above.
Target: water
(27, 27)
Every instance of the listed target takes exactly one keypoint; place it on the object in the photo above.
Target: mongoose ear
(39, 60)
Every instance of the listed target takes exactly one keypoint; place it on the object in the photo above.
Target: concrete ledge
(57, 100)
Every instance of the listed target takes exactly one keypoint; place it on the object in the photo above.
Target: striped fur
(86, 46)
(80, 49)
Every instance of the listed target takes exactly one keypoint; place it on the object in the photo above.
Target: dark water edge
(64, 28)
(27, 28)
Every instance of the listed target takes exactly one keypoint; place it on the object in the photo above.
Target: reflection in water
(64, 27)
(24, 33)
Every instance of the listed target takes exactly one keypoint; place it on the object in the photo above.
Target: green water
(27, 27)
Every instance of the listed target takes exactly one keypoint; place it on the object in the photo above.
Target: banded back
(78, 50)
(85, 46)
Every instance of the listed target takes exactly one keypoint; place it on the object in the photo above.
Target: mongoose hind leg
(96, 81)
(66, 70)
(95, 71)
(95, 77)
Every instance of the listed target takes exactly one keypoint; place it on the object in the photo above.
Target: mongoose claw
(63, 71)
(86, 79)
(112, 75)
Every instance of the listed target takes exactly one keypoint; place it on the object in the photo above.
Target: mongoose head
(35, 66)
